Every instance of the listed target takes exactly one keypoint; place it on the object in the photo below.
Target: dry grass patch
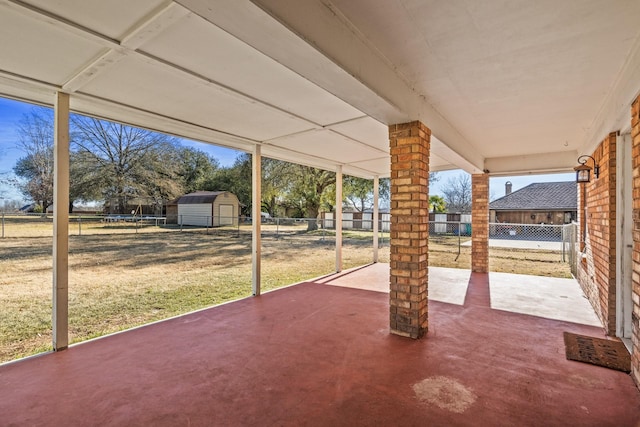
(118, 281)
(123, 279)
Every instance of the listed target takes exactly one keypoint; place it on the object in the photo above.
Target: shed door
(226, 215)
(195, 214)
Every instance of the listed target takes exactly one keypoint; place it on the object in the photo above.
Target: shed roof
(540, 196)
(198, 197)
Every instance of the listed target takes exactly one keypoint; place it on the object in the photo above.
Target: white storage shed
(208, 209)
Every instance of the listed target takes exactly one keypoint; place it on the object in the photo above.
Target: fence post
(3, 224)
(79, 225)
(180, 222)
(563, 237)
(277, 227)
(459, 241)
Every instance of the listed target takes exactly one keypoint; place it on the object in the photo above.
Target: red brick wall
(597, 272)
(480, 223)
(635, 154)
(409, 147)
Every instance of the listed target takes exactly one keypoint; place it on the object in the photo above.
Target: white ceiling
(509, 86)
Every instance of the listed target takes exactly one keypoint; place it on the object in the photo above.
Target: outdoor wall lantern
(583, 172)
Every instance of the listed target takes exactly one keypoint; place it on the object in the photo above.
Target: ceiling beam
(26, 89)
(43, 16)
(153, 24)
(455, 160)
(300, 157)
(532, 163)
(92, 69)
(103, 109)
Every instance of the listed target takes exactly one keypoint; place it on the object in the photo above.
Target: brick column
(480, 223)
(635, 316)
(409, 143)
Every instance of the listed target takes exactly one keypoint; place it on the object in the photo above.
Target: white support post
(256, 219)
(338, 219)
(376, 214)
(624, 237)
(60, 316)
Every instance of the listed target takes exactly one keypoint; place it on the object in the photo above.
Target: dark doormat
(597, 351)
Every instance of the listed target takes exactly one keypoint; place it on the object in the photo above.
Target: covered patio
(372, 89)
(316, 354)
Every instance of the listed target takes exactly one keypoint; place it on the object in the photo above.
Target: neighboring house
(538, 203)
(204, 208)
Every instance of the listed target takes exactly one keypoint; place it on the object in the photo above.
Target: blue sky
(12, 111)
(497, 184)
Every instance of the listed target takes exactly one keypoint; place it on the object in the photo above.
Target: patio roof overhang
(518, 89)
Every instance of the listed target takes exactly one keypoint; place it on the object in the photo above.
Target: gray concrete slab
(547, 297)
(445, 284)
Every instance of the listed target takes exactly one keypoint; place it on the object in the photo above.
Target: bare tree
(457, 193)
(115, 162)
(35, 139)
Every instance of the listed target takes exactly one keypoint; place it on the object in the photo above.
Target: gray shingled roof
(540, 196)
(198, 197)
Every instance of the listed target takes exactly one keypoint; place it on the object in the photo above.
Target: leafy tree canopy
(437, 204)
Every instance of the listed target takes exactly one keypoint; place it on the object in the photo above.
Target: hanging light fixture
(583, 171)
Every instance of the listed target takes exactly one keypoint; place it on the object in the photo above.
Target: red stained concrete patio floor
(320, 355)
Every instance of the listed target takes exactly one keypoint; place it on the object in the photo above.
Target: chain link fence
(539, 249)
(315, 229)
(449, 236)
(449, 241)
(450, 244)
(545, 238)
(528, 249)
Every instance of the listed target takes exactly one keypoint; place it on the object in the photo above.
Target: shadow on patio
(313, 354)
